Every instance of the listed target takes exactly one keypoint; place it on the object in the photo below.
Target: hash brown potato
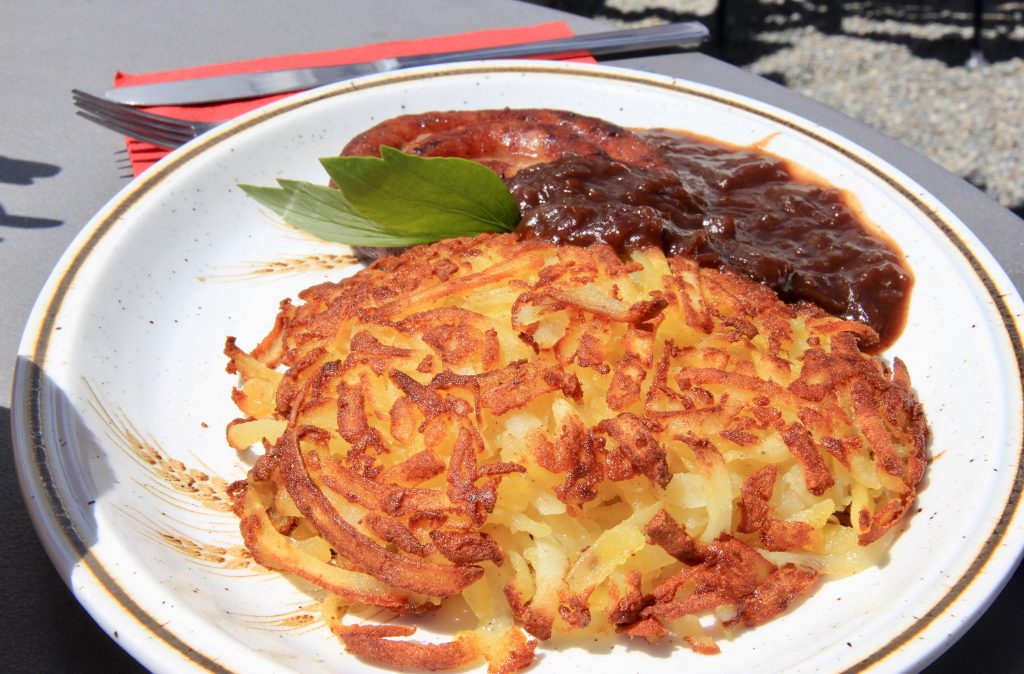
(570, 441)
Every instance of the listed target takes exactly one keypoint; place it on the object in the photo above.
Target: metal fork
(158, 130)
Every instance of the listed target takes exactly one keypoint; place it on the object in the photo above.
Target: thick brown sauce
(731, 208)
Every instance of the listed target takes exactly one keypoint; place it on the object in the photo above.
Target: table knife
(233, 87)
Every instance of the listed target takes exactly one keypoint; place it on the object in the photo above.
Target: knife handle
(687, 34)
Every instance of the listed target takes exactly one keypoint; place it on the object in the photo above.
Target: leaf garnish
(325, 213)
(394, 200)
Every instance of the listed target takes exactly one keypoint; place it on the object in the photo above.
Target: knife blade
(688, 34)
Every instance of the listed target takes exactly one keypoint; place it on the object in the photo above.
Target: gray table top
(57, 170)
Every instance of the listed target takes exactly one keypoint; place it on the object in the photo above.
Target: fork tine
(151, 128)
(169, 141)
(163, 137)
(111, 109)
(126, 117)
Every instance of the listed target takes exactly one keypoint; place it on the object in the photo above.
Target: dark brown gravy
(731, 208)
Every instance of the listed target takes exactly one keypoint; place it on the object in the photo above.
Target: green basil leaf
(395, 200)
(326, 214)
(448, 196)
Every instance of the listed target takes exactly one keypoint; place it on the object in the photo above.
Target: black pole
(976, 36)
(720, 22)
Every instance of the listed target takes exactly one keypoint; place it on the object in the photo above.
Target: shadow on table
(24, 172)
(23, 222)
(45, 629)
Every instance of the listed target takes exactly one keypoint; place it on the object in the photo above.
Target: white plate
(121, 389)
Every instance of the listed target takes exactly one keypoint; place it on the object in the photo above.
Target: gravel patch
(969, 119)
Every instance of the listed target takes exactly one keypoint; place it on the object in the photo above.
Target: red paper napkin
(143, 155)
